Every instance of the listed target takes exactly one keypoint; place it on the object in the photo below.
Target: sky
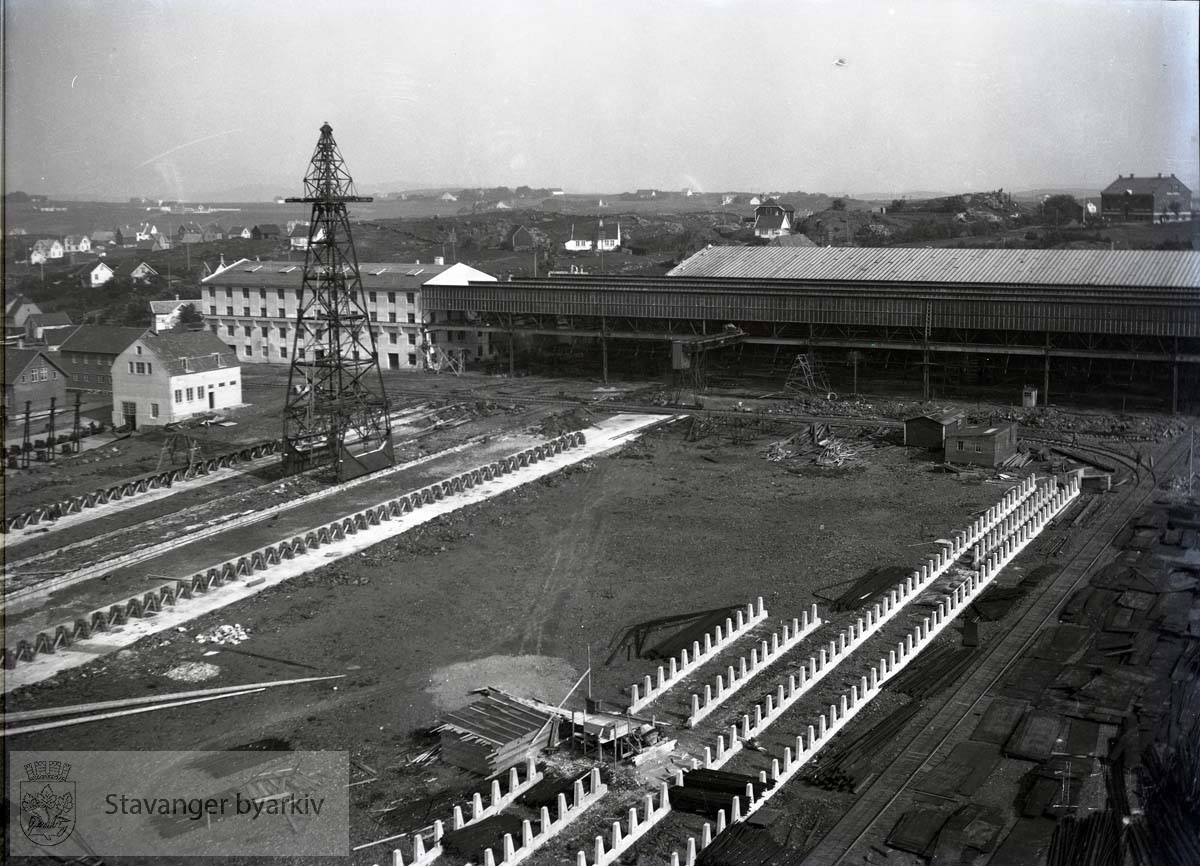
(187, 98)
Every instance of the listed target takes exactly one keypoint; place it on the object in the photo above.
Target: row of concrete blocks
(622, 838)
(134, 486)
(775, 705)
(584, 797)
(990, 540)
(424, 853)
(831, 722)
(266, 557)
(760, 658)
(642, 694)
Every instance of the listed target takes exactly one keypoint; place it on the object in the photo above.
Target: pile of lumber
(706, 792)
(493, 734)
(849, 764)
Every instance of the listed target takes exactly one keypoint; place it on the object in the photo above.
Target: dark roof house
(101, 339)
(1146, 198)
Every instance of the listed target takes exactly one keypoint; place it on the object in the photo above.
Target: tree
(190, 319)
(1058, 209)
(524, 191)
(838, 204)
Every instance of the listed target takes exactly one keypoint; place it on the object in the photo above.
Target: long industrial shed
(1115, 307)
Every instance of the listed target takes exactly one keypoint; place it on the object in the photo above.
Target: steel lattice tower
(336, 407)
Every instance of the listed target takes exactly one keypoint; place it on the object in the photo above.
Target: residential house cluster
(146, 237)
(593, 238)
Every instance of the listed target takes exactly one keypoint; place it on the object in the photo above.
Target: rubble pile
(224, 634)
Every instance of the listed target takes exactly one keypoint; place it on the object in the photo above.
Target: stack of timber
(850, 764)
(493, 734)
(707, 792)
(747, 844)
(469, 843)
(933, 671)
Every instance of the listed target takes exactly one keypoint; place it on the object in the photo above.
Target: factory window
(410, 297)
(282, 352)
(391, 297)
(266, 332)
(229, 311)
(212, 309)
(958, 446)
(391, 317)
(374, 316)
(412, 319)
(75, 359)
(131, 366)
(153, 410)
(300, 353)
(262, 293)
(299, 292)
(354, 295)
(412, 359)
(283, 333)
(392, 339)
(229, 330)
(191, 394)
(137, 350)
(412, 339)
(282, 313)
(178, 395)
(372, 297)
(245, 293)
(978, 447)
(262, 312)
(246, 330)
(246, 311)
(280, 293)
(266, 351)
(229, 293)
(86, 377)
(249, 351)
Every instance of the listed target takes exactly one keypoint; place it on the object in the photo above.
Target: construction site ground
(521, 590)
(515, 592)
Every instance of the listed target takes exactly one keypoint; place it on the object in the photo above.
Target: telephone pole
(336, 409)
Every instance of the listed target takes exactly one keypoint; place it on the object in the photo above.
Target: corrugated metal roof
(1149, 268)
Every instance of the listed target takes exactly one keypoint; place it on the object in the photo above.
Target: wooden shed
(493, 733)
(982, 446)
(929, 431)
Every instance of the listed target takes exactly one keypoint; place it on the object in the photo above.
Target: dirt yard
(515, 592)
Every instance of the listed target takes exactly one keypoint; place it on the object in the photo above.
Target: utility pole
(336, 409)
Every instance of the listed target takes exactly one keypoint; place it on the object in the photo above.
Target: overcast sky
(182, 98)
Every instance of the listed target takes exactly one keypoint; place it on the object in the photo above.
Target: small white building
(298, 238)
(163, 378)
(594, 238)
(77, 244)
(165, 314)
(95, 275)
(448, 196)
(44, 249)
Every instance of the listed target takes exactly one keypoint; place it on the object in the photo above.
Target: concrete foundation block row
(272, 554)
(760, 658)
(622, 837)
(677, 668)
(426, 851)
(584, 797)
(830, 722)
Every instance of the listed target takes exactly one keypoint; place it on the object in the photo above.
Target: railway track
(880, 797)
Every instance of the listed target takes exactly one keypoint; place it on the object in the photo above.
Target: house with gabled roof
(89, 352)
(77, 244)
(1146, 198)
(213, 232)
(17, 310)
(31, 377)
(103, 236)
(596, 237)
(136, 271)
(44, 250)
(164, 315)
(47, 329)
(93, 274)
(242, 232)
(773, 220)
(162, 378)
(298, 239)
(265, 231)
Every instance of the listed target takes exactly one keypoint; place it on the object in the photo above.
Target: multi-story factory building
(252, 306)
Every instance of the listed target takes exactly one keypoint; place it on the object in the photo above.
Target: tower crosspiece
(336, 409)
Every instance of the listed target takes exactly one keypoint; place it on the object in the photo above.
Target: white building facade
(252, 306)
(163, 378)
